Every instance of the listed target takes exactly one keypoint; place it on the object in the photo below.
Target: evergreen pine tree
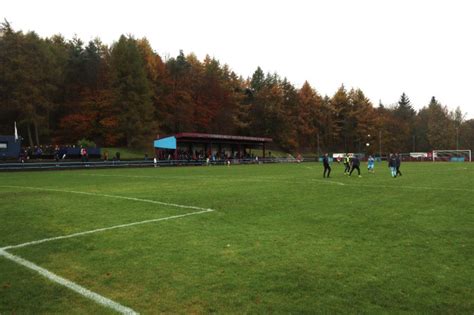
(131, 93)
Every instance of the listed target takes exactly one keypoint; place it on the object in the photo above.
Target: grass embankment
(127, 153)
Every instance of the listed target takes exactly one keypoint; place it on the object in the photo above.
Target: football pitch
(273, 238)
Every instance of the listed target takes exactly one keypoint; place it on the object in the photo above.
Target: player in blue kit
(371, 164)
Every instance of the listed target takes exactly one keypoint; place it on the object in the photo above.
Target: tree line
(59, 91)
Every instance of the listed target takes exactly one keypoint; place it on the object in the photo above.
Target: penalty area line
(108, 196)
(69, 284)
(105, 229)
(74, 286)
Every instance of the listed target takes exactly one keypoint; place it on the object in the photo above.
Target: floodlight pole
(319, 154)
(380, 144)
(457, 138)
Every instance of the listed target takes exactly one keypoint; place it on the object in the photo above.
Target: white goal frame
(464, 153)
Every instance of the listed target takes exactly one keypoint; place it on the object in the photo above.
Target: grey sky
(422, 48)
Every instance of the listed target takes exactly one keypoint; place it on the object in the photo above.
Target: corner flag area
(271, 238)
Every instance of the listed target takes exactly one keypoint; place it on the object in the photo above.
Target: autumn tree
(466, 135)
(343, 121)
(159, 84)
(60, 90)
(441, 131)
(308, 117)
(363, 121)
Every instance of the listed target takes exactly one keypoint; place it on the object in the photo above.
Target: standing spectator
(23, 155)
(56, 154)
(38, 152)
(397, 164)
(106, 155)
(84, 154)
(327, 168)
(355, 165)
(117, 155)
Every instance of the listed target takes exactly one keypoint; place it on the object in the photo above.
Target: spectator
(83, 154)
(56, 154)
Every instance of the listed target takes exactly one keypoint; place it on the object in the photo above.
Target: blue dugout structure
(9, 147)
(166, 143)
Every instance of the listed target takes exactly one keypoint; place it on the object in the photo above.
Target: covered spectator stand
(199, 146)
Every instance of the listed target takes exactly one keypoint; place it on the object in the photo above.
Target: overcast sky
(422, 48)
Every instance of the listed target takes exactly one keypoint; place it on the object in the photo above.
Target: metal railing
(52, 165)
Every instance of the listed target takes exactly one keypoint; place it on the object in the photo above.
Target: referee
(347, 164)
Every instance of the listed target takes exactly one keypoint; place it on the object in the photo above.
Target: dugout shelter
(9, 147)
(191, 145)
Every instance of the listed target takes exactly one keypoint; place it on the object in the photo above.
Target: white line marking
(104, 229)
(109, 196)
(328, 181)
(116, 175)
(69, 284)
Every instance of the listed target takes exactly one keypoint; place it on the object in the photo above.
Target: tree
(308, 116)
(441, 131)
(466, 135)
(132, 97)
(92, 115)
(289, 114)
(159, 84)
(27, 80)
(363, 119)
(342, 119)
(328, 127)
(405, 115)
(181, 107)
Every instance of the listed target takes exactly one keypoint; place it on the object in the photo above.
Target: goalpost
(452, 155)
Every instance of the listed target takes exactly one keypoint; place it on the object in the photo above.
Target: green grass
(128, 154)
(282, 240)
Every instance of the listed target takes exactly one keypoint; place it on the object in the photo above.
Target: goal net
(452, 155)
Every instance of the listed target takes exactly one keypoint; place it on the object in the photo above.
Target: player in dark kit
(327, 168)
(397, 164)
(355, 165)
(392, 164)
